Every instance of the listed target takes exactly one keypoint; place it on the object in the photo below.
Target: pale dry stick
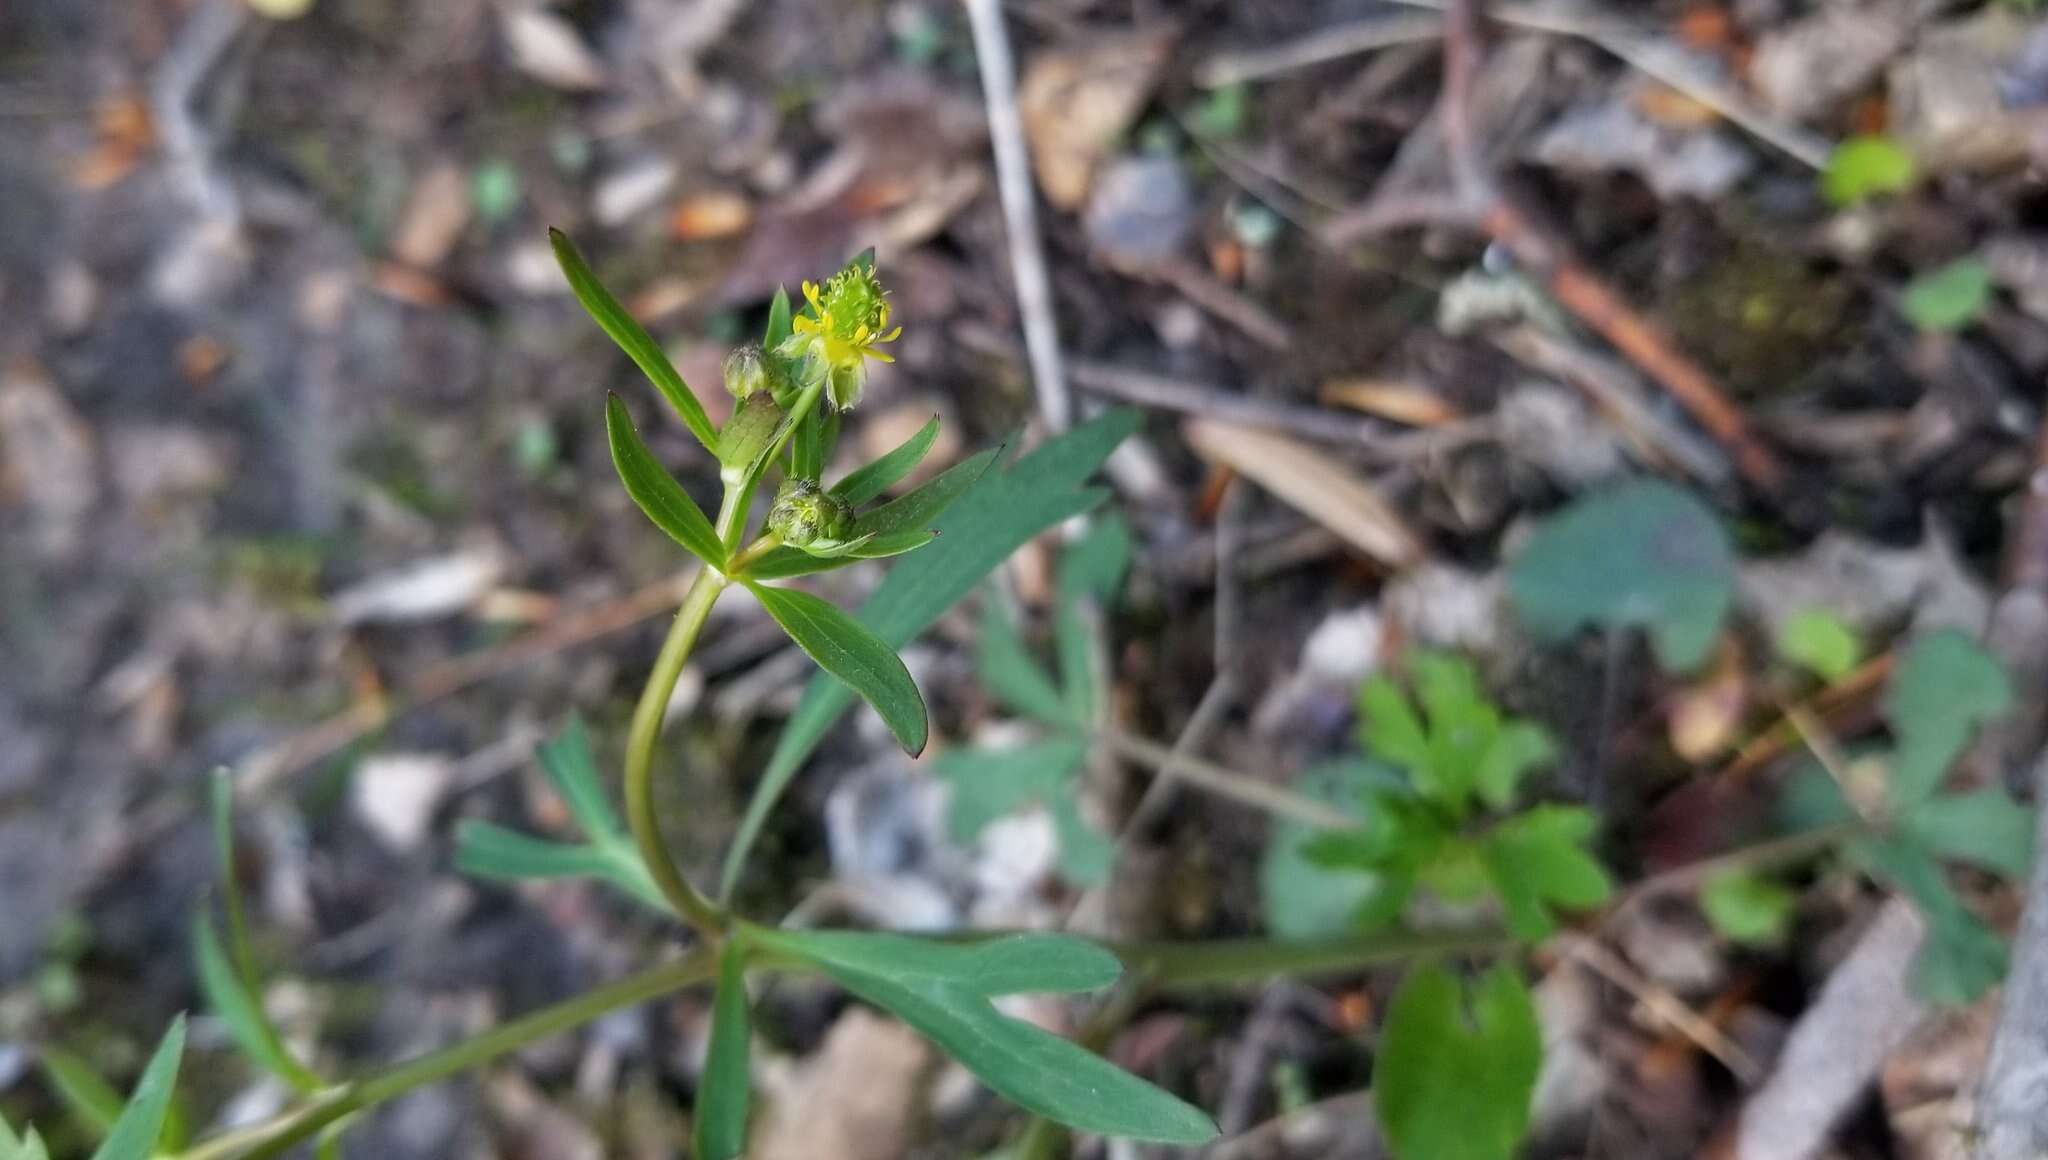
(1660, 62)
(1665, 1006)
(1318, 47)
(1384, 442)
(200, 46)
(1226, 783)
(1020, 212)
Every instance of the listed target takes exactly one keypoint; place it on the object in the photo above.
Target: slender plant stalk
(1222, 782)
(695, 909)
(278, 1135)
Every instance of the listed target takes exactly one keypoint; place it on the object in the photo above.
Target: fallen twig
(1476, 201)
(1020, 212)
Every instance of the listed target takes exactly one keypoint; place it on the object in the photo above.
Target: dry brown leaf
(436, 213)
(854, 1099)
(1416, 406)
(1075, 101)
(1706, 715)
(1324, 489)
(549, 49)
(717, 214)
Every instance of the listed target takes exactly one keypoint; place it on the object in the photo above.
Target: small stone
(1141, 211)
(396, 794)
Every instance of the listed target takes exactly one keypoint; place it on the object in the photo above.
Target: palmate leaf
(847, 650)
(656, 491)
(632, 338)
(995, 517)
(721, 1111)
(943, 991)
(134, 1135)
(1457, 1066)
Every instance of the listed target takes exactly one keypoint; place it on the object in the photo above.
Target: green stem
(1196, 965)
(641, 737)
(280, 1134)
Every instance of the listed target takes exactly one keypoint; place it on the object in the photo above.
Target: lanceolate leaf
(134, 1135)
(572, 769)
(917, 510)
(778, 320)
(27, 1146)
(85, 1093)
(1091, 571)
(633, 339)
(943, 991)
(656, 491)
(997, 516)
(228, 973)
(488, 851)
(721, 1110)
(871, 480)
(1008, 671)
(239, 1006)
(1457, 1066)
(844, 648)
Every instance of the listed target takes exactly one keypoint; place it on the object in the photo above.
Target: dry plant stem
(1020, 212)
(1665, 1006)
(641, 737)
(1224, 782)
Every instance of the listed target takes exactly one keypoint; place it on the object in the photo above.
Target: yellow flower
(845, 325)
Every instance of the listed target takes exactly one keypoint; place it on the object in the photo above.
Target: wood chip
(1322, 488)
(717, 214)
(1076, 101)
(549, 49)
(1409, 403)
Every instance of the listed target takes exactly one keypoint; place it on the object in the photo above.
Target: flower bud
(805, 515)
(746, 372)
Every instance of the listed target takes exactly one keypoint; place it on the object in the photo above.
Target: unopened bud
(805, 515)
(745, 372)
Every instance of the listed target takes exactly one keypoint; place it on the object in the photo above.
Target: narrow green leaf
(234, 999)
(916, 510)
(870, 480)
(847, 650)
(1819, 642)
(1086, 854)
(228, 975)
(483, 850)
(134, 1135)
(788, 563)
(1457, 1066)
(571, 769)
(779, 327)
(1091, 571)
(1014, 964)
(1984, 828)
(999, 514)
(1008, 671)
(943, 991)
(721, 1111)
(656, 491)
(632, 338)
(1746, 907)
(93, 1102)
(989, 783)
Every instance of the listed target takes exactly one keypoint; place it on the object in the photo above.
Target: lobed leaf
(1961, 957)
(484, 850)
(989, 783)
(1985, 828)
(1944, 688)
(847, 650)
(1457, 1065)
(1645, 555)
(1307, 899)
(942, 990)
(991, 521)
(656, 491)
(1538, 862)
(632, 338)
